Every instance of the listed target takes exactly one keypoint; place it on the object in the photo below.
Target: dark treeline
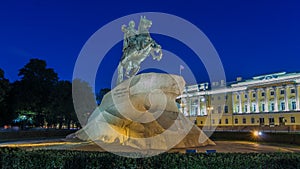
(39, 98)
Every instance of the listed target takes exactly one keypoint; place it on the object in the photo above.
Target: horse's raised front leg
(154, 56)
(135, 69)
(128, 68)
(120, 73)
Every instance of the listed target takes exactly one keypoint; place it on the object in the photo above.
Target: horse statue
(137, 45)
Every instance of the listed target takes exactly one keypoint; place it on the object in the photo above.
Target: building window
(263, 107)
(226, 97)
(226, 109)
(294, 105)
(212, 98)
(219, 98)
(281, 91)
(261, 121)
(253, 95)
(212, 111)
(293, 120)
(293, 91)
(253, 107)
(263, 94)
(271, 121)
(236, 121)
(246, 107)
(272, 93)
(244, 120)
(252, 120)
(282, 106)
(219, 109)
(220, 121)
(226, 121)
(237, 108)
(237, 96)
(246, 96)
(213, 121)
(272, 107)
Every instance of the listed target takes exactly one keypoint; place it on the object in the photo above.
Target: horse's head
(144, 25)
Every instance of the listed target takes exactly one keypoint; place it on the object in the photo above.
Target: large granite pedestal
(141, 112)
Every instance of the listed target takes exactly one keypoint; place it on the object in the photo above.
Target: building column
(240, 102)
(248, 102)
(275, 99)
(190, 106)
(198, 106)
(286, 99)
(296, 97)
(233, 102)
(266, 100)
(256, 100)
(183, 106)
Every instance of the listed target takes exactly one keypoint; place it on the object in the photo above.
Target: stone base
(141, 112)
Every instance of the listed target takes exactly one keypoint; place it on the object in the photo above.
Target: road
(221, 146)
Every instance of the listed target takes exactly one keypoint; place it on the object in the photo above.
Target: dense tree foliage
(84, 100)
(61, 105)
(34, 89)
(5, 116)
(37, 99)
(101, 94)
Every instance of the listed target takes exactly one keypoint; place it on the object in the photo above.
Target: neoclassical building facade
(268, 100)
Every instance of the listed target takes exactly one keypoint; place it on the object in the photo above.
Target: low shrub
(19, 158)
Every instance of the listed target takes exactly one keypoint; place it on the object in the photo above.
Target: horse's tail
(120, 73)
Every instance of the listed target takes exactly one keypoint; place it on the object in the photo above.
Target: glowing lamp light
(257, 133)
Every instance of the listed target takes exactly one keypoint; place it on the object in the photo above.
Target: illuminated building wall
(267, 100)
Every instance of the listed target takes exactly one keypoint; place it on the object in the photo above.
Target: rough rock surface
(141, 112)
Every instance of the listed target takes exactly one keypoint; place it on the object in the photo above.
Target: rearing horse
(133, 55)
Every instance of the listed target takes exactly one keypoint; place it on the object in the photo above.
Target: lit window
(271, 121)
(226, 109)
(293, 91)
(253, 107)
(244, 120)
(293, 120)
(294, 105)
(262, 107)
(282, 106)
(252, 120)
(272, 107)
(261, 121)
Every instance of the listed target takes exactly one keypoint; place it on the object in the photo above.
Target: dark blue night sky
(252, 37)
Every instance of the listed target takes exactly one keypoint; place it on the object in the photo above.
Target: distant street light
(210, 108)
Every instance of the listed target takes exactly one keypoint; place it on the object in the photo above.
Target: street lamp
(210, 108)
